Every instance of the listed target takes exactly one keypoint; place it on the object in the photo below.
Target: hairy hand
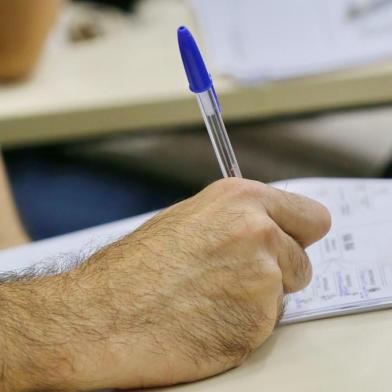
(189, 294)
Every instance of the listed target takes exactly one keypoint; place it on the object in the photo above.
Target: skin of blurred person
(12, 232)
(24, 26)
(189, 294)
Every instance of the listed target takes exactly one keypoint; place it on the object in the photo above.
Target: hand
(188, 295)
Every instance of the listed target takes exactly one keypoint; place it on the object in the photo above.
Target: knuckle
(262, 225)
(306, 271)
(265, 277)
(269, 232)
(231, 184)
(258, 229)
(240, 187)
(253, 190)
(300, 262)
(301, 268)
(253, 226)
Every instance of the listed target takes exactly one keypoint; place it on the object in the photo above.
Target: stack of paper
(273, 39)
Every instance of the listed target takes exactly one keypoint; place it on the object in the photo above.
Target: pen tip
(183, 34)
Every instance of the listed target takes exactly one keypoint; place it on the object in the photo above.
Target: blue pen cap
(195, 69)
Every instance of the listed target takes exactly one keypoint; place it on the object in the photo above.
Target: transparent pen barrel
(218, 134)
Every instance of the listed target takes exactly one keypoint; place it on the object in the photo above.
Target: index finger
(304, 219)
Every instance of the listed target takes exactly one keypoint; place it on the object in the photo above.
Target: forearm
(91, 328)
(58, 332)
(35, 339)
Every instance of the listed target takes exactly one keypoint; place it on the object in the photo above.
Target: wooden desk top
(134, 80)
(350, 354)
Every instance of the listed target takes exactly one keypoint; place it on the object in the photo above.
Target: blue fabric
(56, 196)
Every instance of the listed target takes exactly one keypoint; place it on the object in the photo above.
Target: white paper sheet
(65, 248)
(352, 264)
(255, 40)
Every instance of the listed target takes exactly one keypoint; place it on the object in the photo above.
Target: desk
(134, 80)
(344, 354)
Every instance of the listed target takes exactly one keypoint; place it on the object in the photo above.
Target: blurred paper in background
(255, 40)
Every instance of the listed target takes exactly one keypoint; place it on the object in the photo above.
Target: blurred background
(97, 122)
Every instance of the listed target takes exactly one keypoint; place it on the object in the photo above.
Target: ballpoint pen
(200, 83)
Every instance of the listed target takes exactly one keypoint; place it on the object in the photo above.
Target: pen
(200, 83)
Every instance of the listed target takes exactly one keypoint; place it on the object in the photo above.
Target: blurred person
(189, 294)
(12, 232)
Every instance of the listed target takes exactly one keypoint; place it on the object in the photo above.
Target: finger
(294, 264)
(302, 218)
